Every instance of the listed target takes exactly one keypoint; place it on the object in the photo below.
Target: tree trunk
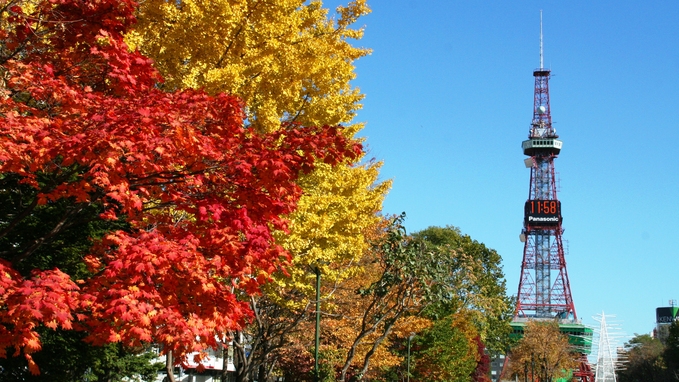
(169, 366)
(261, 373)
(225, 362)
(240, 359)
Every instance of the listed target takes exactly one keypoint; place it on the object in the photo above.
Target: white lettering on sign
(543, 219)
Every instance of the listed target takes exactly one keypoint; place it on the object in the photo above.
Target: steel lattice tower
(544, 289)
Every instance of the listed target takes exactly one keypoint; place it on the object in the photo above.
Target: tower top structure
(541, 56)
(542, 136)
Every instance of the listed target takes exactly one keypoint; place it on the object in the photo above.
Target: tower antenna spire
(541, 62)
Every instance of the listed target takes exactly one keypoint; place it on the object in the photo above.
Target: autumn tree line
(648, 358)
(178, 173)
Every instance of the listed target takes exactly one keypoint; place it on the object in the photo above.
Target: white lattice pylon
(605, 360)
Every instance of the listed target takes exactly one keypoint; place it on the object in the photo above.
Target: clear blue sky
(449, 92)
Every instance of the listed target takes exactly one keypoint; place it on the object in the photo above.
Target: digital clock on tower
(542, 212)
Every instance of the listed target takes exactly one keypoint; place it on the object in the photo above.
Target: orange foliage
(200, 193)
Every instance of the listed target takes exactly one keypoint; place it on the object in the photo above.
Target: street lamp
(317, 270)
(410, 339)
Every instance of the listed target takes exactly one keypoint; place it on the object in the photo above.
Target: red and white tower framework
(544, 289)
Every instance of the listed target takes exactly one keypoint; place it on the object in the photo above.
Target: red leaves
(47, 298)
(160, 289)
(201, 193)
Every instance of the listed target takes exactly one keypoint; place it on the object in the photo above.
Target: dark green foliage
(326, 367)
(672, 350)
(409, 278)
(445, 351)
(645, 361)
(53, 235)
(65, 358)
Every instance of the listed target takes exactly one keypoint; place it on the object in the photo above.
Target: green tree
(400, 278)
(645, 362)
(479, 314)
(407, 284)
(484, 294)
(447, 351)
(671, 354)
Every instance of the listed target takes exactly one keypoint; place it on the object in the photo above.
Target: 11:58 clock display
(542, 212)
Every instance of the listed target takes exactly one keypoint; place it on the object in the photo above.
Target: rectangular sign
(666, 315)
(542, 212)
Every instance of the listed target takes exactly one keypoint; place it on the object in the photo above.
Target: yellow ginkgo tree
(286, 59)
(291, 62)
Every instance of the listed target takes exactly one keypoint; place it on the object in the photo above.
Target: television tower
(544, 289)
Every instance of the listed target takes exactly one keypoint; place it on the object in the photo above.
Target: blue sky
(449, 92)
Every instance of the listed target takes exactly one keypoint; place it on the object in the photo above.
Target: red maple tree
(482, 371)
(199, 192)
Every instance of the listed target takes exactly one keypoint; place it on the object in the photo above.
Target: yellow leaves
(351, 13)
(104, 39)
(411, 324)
(339, 205)
(284, 58)
(546, 347)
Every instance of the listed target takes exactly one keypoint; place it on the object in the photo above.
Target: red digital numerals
(542, 212)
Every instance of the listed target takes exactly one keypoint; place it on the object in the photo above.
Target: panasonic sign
(543, 219)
